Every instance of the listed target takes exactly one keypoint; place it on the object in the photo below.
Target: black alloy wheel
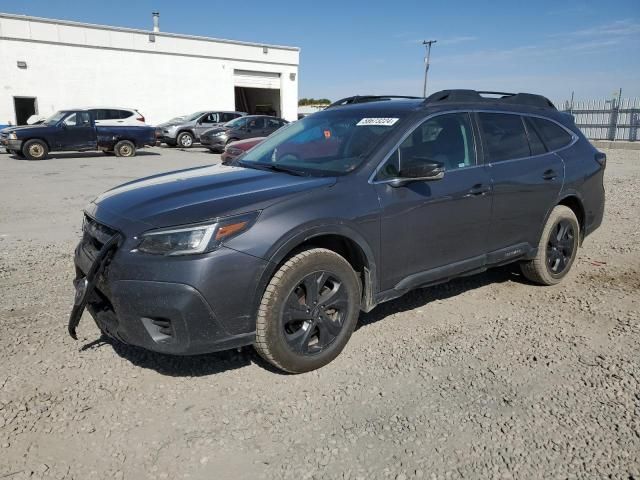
(313, 315)
(560, 247)
(308, 311)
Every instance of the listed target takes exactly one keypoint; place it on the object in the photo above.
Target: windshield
(333, 142)
(193, 116)
(55, 118)
(236, 123)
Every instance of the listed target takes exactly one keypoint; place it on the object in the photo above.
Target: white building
(47, 65)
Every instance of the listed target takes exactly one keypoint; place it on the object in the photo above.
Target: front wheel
(557, 249)
(35, 150)
(308, 311)
(185, 140)
(125, 148)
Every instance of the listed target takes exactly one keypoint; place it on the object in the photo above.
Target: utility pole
(427, 44)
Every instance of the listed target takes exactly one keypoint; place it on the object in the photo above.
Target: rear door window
(121, 114)
(554, 136)
(504, 137)
(535, 142)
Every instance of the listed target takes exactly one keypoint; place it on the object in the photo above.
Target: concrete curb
(616, 145)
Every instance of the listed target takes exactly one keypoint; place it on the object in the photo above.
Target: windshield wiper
(274, 168)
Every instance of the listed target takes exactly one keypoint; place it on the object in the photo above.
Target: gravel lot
(485, 377)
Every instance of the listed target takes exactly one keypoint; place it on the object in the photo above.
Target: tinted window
(122, 114)
(553, 136)
(535, 142)
(504, 136)
(446, 138)
(256, 123)
(210, 118)
(274, 123)
(237, 123)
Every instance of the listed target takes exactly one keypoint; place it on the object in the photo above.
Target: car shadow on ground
(58, 156)
(214, 363)
(422, 296)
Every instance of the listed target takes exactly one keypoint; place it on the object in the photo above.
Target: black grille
(95, 235)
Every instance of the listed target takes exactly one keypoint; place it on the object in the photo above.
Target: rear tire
(125, 148)
(35, 150)
(185, 140)
(557, 248)
(308, 311)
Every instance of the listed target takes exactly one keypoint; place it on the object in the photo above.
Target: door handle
(549, 174)
(478, 190)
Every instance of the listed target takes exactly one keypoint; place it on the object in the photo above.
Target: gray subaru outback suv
(333, 215)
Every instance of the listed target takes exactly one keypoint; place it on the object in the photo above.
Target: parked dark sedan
(234, 149)
(245, 127)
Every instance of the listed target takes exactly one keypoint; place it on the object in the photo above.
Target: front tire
(125, 148)
(185, 140)
(35, 150)
(557, 249)
(308, 311)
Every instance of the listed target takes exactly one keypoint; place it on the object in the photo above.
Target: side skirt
(470, 266)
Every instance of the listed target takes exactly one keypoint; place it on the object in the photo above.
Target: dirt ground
(484, 377)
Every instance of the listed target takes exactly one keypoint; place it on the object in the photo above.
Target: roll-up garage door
(252, 79)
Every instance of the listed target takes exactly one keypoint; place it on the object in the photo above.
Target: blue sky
(351, 47)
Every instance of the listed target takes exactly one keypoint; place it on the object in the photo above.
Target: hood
(30, 129)
(200, 194)
(21, 127)
(174, 122)
(215, 130)
(247, 143)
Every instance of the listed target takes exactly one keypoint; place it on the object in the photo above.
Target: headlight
(196, 238)
(219, 134)
(13, 136)
(233, 151)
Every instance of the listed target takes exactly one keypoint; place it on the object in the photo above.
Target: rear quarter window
(535, 141)
(554, 136)
(504, 136)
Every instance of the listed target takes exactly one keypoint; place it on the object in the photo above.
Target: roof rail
(455, 96)
(368, 98)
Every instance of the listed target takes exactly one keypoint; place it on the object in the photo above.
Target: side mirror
(418, 169)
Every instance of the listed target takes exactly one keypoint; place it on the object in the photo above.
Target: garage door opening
(258, 101)
(257, 93)
(24, 107)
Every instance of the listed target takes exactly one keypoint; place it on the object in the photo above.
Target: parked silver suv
(183, 131)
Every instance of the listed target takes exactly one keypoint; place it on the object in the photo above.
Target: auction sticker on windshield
(385, 122)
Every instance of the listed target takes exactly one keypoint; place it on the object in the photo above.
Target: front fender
(290, 241)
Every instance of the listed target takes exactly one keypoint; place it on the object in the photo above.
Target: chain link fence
(606, 119)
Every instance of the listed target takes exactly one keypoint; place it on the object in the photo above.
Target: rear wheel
(125, 148)
(35, 150)
(557, 249)
(185, 140)
(308, 311)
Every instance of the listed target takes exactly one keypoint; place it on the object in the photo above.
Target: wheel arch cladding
(344, 245)
(24, 142)
(575, 204)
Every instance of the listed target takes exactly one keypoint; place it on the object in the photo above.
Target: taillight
(601, 158)
(140, 119)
